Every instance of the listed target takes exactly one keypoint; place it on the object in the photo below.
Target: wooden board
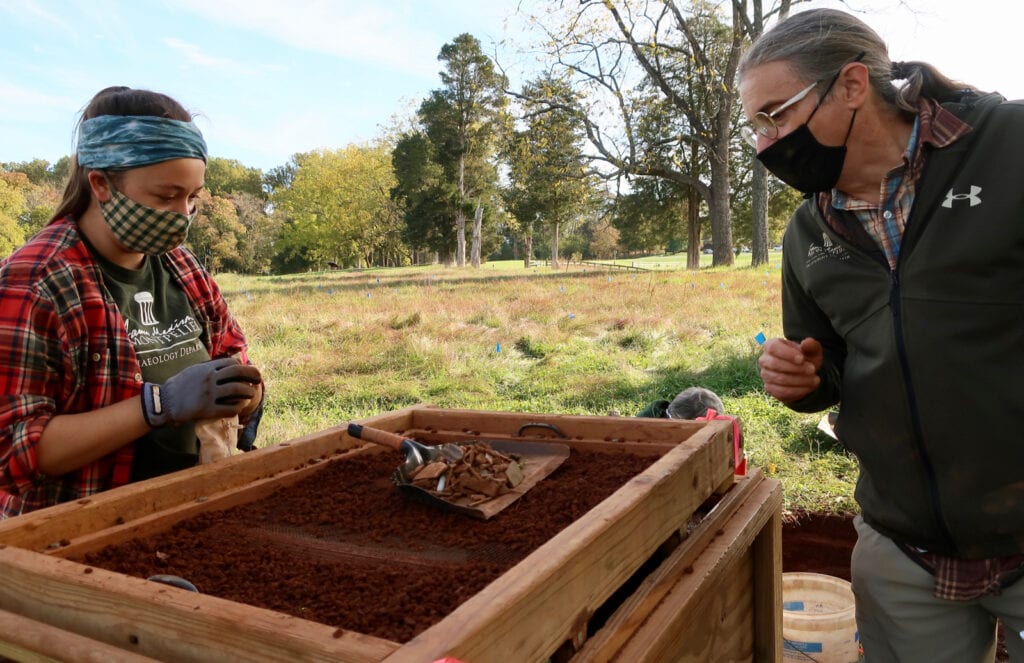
(574, 427)
(723, 606)
(24, 639)
(698, 619)
(621, 626)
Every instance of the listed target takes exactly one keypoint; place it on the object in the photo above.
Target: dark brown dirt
(818, 542)
(343, 548)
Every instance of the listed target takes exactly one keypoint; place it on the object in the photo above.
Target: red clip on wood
(739, 457)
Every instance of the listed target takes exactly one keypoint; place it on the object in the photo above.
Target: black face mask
(799, 160)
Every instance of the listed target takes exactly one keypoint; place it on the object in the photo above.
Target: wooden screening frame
(542, 604)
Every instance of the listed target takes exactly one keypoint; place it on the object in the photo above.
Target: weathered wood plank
(166, 623)
(24, 639)
(767, 585)
(688, 625)
(547, 598)
(600, 446)
(583, 427)
(620, 627)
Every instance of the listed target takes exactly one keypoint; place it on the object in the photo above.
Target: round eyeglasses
(764, 123)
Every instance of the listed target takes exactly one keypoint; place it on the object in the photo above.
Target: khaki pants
(899, 618)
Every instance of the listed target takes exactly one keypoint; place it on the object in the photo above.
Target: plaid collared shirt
(885, 220)
(66, 351)
(967, 579)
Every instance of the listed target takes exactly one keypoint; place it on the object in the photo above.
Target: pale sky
(270, 78)
(968, 40)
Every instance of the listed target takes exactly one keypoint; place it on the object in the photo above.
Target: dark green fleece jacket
(927, 360)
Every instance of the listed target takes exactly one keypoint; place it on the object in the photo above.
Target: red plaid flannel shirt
(66, 351)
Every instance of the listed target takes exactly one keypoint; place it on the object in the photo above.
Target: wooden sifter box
(681, 562)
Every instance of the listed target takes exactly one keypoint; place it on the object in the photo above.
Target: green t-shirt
(167, 338)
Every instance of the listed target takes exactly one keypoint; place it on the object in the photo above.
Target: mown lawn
(334, 346)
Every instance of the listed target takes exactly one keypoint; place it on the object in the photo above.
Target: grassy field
(340, 345)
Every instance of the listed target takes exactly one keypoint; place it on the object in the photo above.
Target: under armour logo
(972, 196)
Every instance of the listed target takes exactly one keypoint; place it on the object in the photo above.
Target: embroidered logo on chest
(826, 251)
(972, 197)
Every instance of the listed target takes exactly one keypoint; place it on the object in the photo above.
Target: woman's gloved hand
(213, 389)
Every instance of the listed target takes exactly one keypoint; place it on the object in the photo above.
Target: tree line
(627, 142)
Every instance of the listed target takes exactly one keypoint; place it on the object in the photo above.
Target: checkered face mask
(144, 229)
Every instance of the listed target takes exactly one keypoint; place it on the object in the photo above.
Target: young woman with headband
(116, 340)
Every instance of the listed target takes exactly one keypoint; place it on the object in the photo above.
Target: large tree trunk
(460, 217)
(460, 233)
(693, 227)
(554, 246)
(759, 177)
(718, 205)
(759, 210)
(528, 258)
(721, 229)
(478, 220)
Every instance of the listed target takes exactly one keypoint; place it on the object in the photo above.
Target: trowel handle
(377, 436)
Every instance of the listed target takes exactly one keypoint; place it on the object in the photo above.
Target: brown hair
(118, 100)
(817, 43)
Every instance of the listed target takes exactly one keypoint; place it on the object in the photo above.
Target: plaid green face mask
(144, 229)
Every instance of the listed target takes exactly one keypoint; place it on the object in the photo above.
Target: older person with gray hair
(690, 403)
(700, 404)
(902, 291)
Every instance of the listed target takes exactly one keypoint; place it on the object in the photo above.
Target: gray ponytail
(816, 43)
(924, 80)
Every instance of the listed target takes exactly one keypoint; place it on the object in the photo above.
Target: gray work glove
(210, 390)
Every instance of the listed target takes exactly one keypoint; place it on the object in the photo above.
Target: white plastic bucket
(818, 619)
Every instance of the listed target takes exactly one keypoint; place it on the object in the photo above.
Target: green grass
(678, 261)
(340, 345)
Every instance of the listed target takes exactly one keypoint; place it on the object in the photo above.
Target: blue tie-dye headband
(130, 141)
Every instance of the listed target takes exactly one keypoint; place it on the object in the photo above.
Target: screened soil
(344, 548)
